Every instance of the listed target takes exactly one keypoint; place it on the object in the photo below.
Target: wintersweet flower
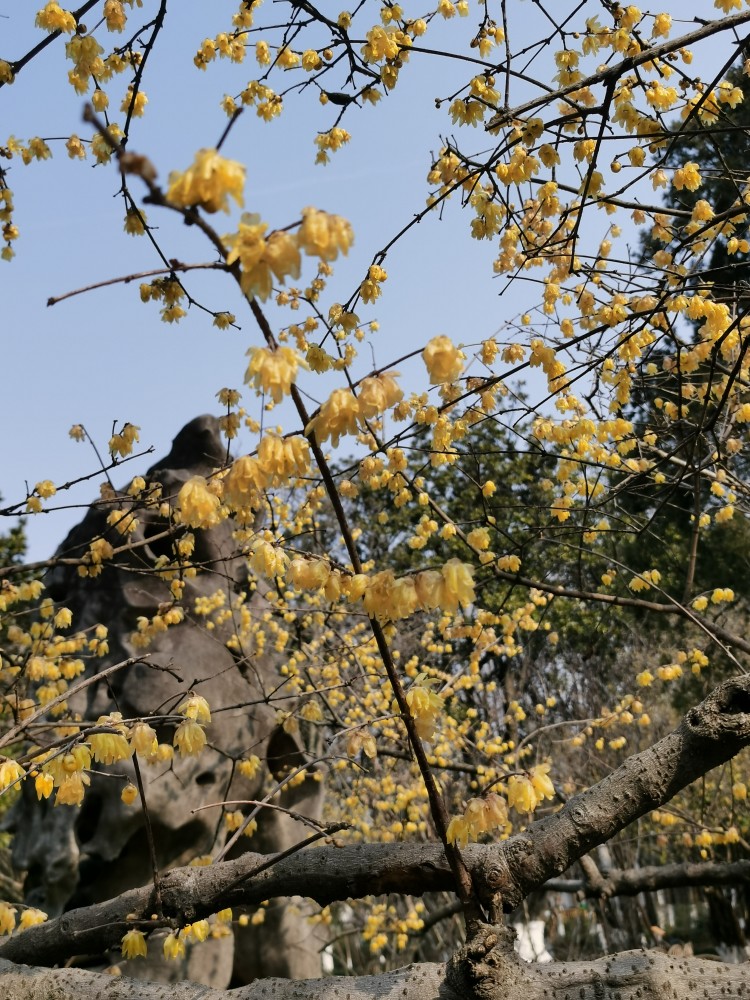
(10, 773)
(458, 585)
(122, 444)
(378, 393)
(244, 483)
(338, 415)
(143, 739)
(53, 18)
(541, 782)
(198, 506)
(377, 595)
(248, 767)
(208, 183)
(485, 814)
(521, 794)
(687, 177)
(7, 918)
(444, 361)
(43, 785)
(458, 831)
(309, 574)
(284, 458)
(272, 371)
(129, 794)
(174, 948)
(107, 748)
(362, 740)
(114, 15)
(134, 945)
(262, 259)
(30, 917)
(71, 789)
(425, 707)
(323, 235)
(404, 600)
(199, 930)
(282, 256)
(189, 738)
(429, 588)
(195, 707)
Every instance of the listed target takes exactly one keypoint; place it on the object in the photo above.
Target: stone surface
(73, 856)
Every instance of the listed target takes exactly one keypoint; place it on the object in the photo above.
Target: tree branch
(710, 734)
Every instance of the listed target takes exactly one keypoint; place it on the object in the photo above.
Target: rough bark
(631, 881)
(497, 975)
(710, 734)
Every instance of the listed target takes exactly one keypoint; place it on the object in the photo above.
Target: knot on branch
(487, 967)
(726, 711)
(498, 873)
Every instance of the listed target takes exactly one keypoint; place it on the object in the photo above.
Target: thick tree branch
(710, 734)
(496, 976)
(631, 881)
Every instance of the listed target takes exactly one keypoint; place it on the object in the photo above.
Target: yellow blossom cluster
(208, 183)
(261, 258)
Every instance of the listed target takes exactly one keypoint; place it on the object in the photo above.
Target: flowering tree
(469, 750)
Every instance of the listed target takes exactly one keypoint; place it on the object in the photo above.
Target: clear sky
(105, 357)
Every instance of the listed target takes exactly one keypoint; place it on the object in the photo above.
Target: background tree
(446, 675)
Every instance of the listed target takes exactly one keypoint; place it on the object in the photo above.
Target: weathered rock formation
(76, 856)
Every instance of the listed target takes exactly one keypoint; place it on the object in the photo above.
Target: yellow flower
(378, 393)
(196, 708)
(479, 539)
(283, 458)
(273, 372)
(249, 766)
(425, 707)
(521, 794)
(458, 585)
(261, 259)
(129, 794)
(30, 917)
(309, 574)
(443, 361)
(71, 790)
(10, 773)
(542, 782)
(687, 177)
(138, 104)
(189, 738)
(337, 416)
(323, 235)
(199, 930)
(53, 18)
(198, 506)
(122, 444)
(107, 748)
(429, 588)
(7, 918)
(458, 831)
(244, 483)
(45, 489)
(134, 945)
(208, 183)
(362, 740)
(43, 785)
(114, 15)
(173, 947)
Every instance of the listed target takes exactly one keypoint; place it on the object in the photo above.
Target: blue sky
(105, 357)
